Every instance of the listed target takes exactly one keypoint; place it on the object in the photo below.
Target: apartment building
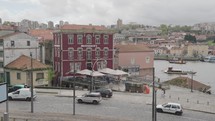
(78, 47)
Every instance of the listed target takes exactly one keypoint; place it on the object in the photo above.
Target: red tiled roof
(42, 33)
(78, 27)
(24, 63)
(133, 48)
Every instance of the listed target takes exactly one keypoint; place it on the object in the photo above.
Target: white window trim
(70, 39)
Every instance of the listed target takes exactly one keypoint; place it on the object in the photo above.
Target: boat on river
(210, 59)
(170, 70)
(177, 61)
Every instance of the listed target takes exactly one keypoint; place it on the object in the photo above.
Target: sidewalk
(27, 116)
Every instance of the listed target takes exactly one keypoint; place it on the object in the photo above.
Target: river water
(205, 71)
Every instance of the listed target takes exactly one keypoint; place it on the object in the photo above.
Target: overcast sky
(106, 12)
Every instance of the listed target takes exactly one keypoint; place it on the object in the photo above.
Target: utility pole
(32, 99)
(154, 118)
(74, 79)
(191, 81)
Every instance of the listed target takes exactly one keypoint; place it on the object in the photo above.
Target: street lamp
(154, 97)
(32, 104)
(92, 83)
(191, 85)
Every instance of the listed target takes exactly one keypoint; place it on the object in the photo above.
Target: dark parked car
(105, 92)
(16, 87)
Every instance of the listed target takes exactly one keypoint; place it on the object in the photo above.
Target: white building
(14, 45)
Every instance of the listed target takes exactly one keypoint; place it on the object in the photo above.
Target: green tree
(190, 38)
(50, 76)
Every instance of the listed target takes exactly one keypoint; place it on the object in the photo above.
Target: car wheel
(28, 99)
(9, 98)
(159, 110)
(80, 101)
(95, 102)
(178, 113)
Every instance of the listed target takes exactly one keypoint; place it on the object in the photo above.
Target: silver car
(175, 108)
(93, 97)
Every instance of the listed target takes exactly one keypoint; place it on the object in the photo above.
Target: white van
(22, 94)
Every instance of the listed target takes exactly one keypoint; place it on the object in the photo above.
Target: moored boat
(177, 61)
(210, 59)
(170, 70)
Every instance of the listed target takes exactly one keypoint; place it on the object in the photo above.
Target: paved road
(122, 105)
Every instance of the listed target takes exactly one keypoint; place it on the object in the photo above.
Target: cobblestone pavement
(27, 116)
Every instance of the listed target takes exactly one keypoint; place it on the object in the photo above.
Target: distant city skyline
(107, 12)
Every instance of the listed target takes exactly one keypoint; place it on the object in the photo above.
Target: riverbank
(186, 82)
(165, 57)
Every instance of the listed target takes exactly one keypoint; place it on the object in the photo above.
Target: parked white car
(93, 97)
(22, 94)
(175, 108)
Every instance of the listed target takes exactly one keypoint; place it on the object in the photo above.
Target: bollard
(169, 96)
(197, 102)
(6, 116)
(178, 98)
(187, 100)
(207, 103)
(1, 118)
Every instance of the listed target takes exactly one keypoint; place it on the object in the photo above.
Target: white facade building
(14, 45)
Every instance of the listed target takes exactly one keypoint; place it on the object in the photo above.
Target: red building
(78, 47)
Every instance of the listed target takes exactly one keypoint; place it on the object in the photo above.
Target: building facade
(14, 45)
(78, 47)
(19, 71)
(197, 50)
(138, 60)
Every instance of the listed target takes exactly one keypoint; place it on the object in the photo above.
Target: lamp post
(74, 79)
(92, 83)
(191, 85)
(154, 115)
(32, 104)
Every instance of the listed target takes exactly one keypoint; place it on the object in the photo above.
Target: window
(80, 53)
(105, 39)
(40, 76)
(1, 42)
(71, 66)
(80, 39)
(1, 53)
(1, 64)
(147, 59)
(28, 43)
(70, 54)
(174, 106)
(167, 106)
(106, 53)
(18, 76)
(97, 39)
(17, 92)
(59, 69)
(12, 43)
(89, 39)
(58, 52)
(97, 53)
(78, 66)
(89, 54)
(71, 39)
(58, 41)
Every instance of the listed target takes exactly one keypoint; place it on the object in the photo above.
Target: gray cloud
(106, 12)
